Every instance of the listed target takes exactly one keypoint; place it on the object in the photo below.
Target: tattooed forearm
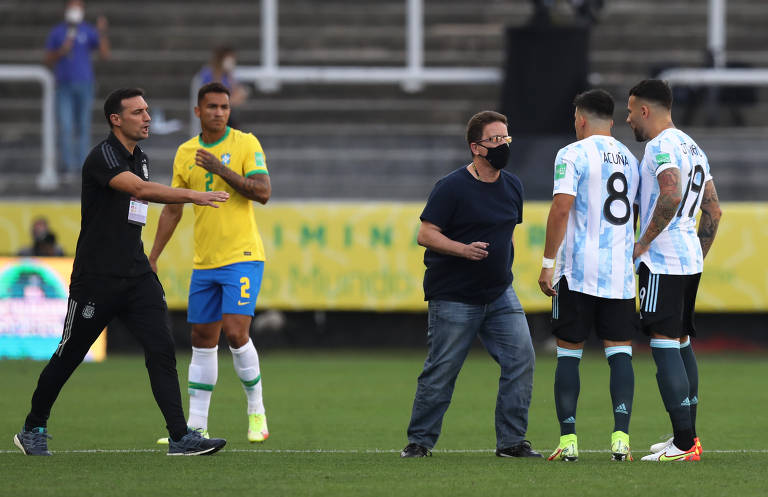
(256, 188)
(666, 205)
(710, 217)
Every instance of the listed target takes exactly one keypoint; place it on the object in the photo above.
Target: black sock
(673, 386)
(691, 367)
(567, 387)
(33, 422)
(622, 386)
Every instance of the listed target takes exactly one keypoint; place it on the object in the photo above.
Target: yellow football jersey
(228, 234)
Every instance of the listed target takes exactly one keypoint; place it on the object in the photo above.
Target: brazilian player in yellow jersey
(229, 254)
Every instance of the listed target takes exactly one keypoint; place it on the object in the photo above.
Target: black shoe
(415, 450)
(193, 444)
(523, 449)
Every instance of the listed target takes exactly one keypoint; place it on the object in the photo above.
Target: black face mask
(499, 156)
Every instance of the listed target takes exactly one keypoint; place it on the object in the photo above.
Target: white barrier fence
(47, 179)
(412, 77)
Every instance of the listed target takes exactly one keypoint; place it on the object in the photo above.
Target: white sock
(246, 361)
(203, 372)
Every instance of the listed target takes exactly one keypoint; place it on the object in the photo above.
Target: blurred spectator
(68, 52)
(43, 241)
(221, 69)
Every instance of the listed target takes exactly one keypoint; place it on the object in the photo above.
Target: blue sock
(692, 368)
(674, 388)
(567, 385)
(622, 385)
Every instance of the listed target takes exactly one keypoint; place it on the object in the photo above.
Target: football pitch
(338, 419)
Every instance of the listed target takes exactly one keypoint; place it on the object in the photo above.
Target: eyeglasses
(497, 140)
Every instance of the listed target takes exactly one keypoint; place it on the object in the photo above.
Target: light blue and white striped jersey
(596, 253)
(677, 249)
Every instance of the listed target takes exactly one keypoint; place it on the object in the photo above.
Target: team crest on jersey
(226, 158)
(144, 168)
(88, 310)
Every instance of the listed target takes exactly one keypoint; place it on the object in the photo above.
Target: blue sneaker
(33, 442)
(194, 444)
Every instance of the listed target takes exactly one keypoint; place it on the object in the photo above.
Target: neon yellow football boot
(568, 450)
(620, 447)
(257, 428)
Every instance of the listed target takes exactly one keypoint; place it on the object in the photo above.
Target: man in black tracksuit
(111, 276)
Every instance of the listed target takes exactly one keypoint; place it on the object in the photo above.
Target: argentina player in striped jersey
(675, 183)
(589, 229)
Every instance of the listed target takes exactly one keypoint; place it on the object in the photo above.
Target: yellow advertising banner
(364, 255)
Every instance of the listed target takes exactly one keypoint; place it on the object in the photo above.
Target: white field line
(344, 451)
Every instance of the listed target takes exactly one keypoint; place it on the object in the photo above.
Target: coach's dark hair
(653, 90)
(596, 102)
(479, 121)
(114, 102)
(212, 87)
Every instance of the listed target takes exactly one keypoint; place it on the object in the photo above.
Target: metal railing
(47, 179)
(715, 76)
(412, 77)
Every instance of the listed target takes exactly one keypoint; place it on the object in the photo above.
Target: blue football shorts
(230, 289)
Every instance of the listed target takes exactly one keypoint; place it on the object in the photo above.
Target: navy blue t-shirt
(468, 210)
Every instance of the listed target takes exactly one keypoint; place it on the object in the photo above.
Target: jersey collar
(112, 140)
(210, 145)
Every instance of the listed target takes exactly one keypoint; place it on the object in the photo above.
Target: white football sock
(246, 361)
(203, 372)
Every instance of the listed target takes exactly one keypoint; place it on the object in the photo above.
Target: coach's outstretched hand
(209, 198)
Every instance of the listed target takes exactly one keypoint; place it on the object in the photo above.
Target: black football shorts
(667, 303)
(575, 314)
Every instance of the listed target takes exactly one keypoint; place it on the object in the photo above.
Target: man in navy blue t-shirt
(467, 227)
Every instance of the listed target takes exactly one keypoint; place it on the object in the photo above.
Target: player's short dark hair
(597, 102)
(114, 102)
(479, 121)
(653, 90)
(212, 87)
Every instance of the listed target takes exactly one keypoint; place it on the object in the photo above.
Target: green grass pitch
(338, 420)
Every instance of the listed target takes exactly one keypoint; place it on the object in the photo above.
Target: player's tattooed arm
(257, 187)
(710, 217)
(670, 195)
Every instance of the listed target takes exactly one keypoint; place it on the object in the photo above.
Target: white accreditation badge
(137, 211)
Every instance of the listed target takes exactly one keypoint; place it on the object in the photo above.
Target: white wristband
(547, 263)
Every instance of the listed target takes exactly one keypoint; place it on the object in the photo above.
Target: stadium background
(352, 164)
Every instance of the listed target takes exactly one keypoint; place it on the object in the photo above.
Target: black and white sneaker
(523, 449)
(415, 450)
(194, 444)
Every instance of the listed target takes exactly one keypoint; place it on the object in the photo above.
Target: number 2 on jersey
(615, 195)
(208, 182)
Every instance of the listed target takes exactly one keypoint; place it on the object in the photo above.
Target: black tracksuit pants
(93, 303)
